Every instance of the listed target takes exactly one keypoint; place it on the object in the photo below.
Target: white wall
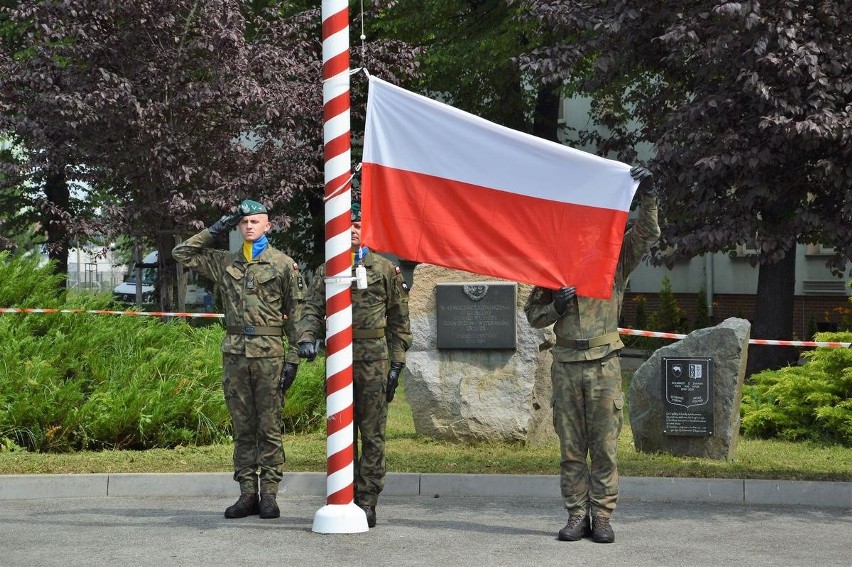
(725, 275)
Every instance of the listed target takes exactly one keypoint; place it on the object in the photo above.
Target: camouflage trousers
(371, 416)
(587, 416)
(251, 393)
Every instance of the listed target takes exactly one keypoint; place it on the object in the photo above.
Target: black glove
(393, 379)
(225, 224)
(308, 349)
(645, 179)
(288, 374)
(561, 297)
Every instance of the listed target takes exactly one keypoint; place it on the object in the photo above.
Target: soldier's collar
(363, 256)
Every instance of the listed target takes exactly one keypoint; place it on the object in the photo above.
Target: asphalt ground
(434, 519)
(414, 530)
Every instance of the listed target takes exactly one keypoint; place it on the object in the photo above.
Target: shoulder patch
(398, 271)
(295, 265)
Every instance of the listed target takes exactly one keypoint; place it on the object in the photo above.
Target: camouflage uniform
(587, 396)
(261, 299)
(380, 330)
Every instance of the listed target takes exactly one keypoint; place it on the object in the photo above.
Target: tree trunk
(510, 111)
(774, 314)
(58, 199)
(545, 120)
(167, 270)
(180, 281)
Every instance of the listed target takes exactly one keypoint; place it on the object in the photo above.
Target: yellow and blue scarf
(252, 250)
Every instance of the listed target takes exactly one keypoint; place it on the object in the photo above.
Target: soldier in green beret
(586, 376)
(381, 334)
(261, 290)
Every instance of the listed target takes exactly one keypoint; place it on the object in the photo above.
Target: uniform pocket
(234, 273)
(370, 301)
(267, 285)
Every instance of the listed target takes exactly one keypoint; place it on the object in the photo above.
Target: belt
(586, 344)
(253, 330)
(368, 333)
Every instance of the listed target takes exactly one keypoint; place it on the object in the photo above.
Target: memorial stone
(701, 419)
(485, 391)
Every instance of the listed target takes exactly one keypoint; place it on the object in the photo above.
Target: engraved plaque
(477, 315)
(687, 396)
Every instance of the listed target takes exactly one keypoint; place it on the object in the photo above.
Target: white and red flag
(445, 187)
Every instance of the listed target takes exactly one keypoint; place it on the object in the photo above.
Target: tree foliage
(380, 53)
(174, 110)
(166, 106)
(40, 196)
(747, 106)
(468, 55)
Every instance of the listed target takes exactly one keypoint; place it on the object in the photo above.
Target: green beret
(249, 207)
(356, 212)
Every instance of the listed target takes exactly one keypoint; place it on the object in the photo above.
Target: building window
(819, 250)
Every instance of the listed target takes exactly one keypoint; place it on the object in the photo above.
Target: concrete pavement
(424, 519)
(704, 490)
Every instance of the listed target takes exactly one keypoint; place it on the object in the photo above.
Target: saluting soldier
(586, 375)
(381, 335)
(261, 291)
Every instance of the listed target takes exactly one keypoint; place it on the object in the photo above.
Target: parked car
(126, 290)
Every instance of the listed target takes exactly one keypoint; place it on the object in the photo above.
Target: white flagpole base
(340, 519)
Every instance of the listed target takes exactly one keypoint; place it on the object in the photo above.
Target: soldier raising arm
(586, 376)
(261, 291)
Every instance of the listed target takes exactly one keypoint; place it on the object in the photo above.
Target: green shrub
(80, 381)
(642, 324)
(71, 381)
(810, 402)
(702, 314)
(304, 408)
(26, 284)
(670, 317)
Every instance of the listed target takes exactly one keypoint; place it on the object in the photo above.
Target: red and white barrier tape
(621, 330)
(109, 312)
(771, 342)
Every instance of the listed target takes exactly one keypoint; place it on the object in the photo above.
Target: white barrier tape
(773, 342)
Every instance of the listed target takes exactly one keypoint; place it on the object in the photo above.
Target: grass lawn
(407, 452)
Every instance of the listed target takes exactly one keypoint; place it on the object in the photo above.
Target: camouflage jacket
(585, 317)
(381, 309)
(266, 292)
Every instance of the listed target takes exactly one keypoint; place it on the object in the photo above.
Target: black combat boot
(246, 505)
(576, 529)
(601, 530)
(370, 511)
(268, 506)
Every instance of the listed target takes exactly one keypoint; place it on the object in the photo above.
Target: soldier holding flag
(586, 377)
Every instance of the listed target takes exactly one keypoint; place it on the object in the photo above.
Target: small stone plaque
(687, 396)
(477, 315)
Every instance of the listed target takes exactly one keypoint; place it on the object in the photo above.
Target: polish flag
(445, 187)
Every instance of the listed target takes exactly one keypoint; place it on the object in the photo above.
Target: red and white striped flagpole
(340, 514)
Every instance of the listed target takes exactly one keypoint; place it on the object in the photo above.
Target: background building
(728, 280)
